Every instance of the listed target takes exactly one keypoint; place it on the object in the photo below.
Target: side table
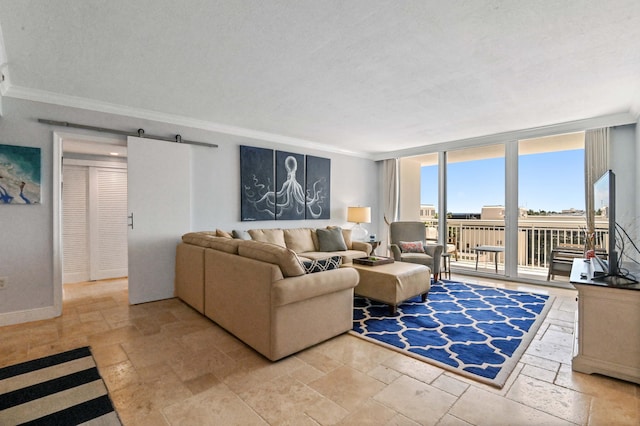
(374, 245)
(446, 260)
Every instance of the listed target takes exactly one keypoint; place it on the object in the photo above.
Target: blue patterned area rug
(476, 331)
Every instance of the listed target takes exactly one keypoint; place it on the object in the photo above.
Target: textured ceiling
(364, 76)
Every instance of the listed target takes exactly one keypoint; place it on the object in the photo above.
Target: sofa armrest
(308, 286)
(362, 246)
(435, 251)
(395, 251)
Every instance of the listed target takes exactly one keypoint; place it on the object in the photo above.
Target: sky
(552, 181)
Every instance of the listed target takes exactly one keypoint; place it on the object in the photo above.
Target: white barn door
(159, 187)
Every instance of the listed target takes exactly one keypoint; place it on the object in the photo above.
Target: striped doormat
(62, 389)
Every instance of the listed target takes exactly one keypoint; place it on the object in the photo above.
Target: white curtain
(596, 162)
(390, 193)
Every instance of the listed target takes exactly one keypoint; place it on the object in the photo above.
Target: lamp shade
(359, 214)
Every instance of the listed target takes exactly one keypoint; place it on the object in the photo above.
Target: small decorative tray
(373, 260)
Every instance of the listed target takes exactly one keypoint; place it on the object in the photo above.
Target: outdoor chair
(452, 241)
(561, 259)
(408, 244)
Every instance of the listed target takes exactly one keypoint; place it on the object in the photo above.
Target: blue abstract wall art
(19, 174)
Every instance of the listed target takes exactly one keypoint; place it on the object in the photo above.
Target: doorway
(93, 208)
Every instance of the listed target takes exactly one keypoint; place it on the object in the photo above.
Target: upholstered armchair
(408, 244)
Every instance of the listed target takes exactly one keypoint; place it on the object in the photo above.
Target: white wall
(216, 174)
(26, 239)
(623, 162)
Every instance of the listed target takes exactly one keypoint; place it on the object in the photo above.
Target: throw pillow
(320, 265)
(241, 235)
(224, 234)
(346, 234)
(330, 240)
(273, 236)
(411, 247)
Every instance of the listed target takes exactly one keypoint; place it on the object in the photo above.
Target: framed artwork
(318, 188)
(283, 185)
(19, 174)
(290, 198)
(257, 197)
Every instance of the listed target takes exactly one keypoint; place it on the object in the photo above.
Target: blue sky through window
(551, 181)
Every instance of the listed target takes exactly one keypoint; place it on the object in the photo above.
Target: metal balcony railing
(536, 237)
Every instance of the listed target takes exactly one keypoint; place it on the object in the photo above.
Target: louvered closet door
(75, 223)
(108, 223)
(94, 223)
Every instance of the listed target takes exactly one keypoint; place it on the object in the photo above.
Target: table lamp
(359, 215)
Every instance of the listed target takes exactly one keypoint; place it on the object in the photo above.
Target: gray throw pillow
(241, 235)
(331, 239)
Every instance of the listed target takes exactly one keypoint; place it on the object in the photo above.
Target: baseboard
(30, 315)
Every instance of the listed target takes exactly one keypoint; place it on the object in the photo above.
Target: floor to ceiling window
(516, 200)
(475, 200)
(551, 198)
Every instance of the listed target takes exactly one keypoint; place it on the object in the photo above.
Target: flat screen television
(604, 204)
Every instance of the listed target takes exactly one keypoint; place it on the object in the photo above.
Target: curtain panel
(596, 159)
(391, 193)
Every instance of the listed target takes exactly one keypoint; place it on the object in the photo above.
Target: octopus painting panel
(318, 188)
(290, 198)
(257, 185)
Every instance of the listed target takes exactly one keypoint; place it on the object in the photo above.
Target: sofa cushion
(299, 239)
(227, 245)
(208, 239)
(313, 266)
(330, 240)
(273, 236)
(346, 234)
(201, 238)
(285, 258)
(411, 246)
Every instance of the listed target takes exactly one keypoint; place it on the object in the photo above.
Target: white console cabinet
(607, 329)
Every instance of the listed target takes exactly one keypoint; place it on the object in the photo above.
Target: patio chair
(561, 259)
(452, 241)
(406, 240)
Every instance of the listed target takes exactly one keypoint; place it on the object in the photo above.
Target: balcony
(536, 237)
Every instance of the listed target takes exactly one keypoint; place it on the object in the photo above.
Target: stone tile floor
(165, 364)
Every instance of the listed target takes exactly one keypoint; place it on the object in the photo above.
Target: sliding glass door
(475, 199)
(551, 198)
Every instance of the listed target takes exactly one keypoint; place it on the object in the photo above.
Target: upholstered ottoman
(393, 283)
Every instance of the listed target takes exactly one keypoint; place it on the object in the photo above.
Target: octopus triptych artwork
(279, 185)
(19, 175)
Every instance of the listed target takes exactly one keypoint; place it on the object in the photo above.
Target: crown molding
(535, 132)
(36, 95)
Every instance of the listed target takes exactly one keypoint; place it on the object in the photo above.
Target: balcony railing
(536, 237)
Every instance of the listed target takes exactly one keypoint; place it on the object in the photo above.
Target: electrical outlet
(3, 282)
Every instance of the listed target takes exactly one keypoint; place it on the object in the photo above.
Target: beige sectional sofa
(260, 291)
